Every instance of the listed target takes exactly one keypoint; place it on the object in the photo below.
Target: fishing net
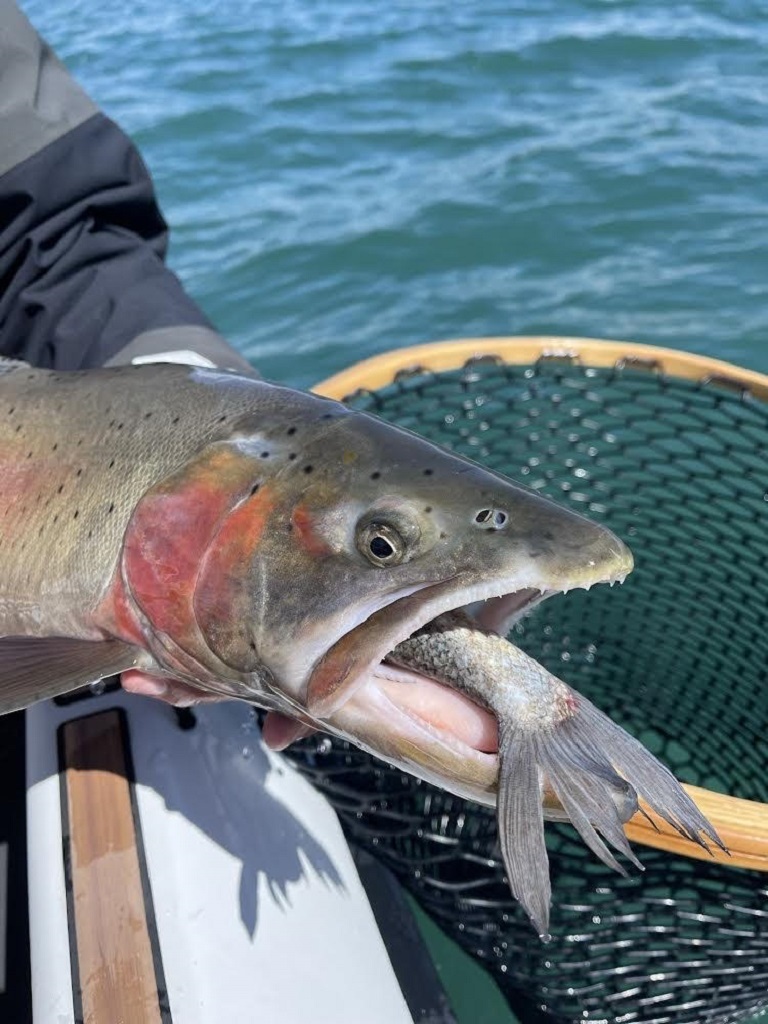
(677, 655)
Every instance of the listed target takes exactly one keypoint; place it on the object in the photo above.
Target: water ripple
(342, 178)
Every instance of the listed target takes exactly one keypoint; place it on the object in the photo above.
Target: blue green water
(344, 177)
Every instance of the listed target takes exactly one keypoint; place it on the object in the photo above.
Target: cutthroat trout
(265, 544)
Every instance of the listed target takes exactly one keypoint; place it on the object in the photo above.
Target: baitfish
(555, 750)
(265, 544)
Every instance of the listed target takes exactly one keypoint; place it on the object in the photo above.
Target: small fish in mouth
(553, 745)
(196, 529)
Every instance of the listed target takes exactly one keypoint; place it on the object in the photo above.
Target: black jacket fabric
(82, 241)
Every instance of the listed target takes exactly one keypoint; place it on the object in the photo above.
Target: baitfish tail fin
(597, 770)
(650, 779)
(521, 825)
(34, 668)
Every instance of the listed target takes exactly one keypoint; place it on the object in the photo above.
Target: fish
(552, 743)
(260, 543)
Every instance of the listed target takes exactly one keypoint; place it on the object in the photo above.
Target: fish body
(266, 544)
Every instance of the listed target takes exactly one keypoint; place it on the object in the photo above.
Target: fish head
(372, 532)
(325, 544)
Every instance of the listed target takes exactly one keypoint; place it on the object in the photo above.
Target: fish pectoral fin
(36, 668)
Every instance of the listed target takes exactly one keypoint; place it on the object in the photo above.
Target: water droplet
(324, 746)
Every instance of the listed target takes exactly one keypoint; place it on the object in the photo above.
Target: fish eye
(381, 544)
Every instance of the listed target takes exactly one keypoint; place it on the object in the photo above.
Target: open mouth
(434, 703)
(417, 720)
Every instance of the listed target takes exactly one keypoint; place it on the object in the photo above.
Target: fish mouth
(414, 720)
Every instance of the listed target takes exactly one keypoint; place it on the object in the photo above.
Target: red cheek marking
(222, 601)
(306, 533)
(169, 535)
(116, 614)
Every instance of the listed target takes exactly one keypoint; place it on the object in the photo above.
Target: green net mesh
(677, 655)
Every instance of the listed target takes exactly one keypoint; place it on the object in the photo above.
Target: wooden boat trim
(116, 968)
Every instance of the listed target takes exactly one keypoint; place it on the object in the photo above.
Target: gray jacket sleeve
(82, 241)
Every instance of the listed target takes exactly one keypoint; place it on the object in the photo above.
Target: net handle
(741, 824)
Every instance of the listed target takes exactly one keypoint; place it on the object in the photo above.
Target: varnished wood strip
(741, 824)
(113, 958)
(380, 370)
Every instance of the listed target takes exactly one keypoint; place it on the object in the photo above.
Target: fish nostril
(492, 518)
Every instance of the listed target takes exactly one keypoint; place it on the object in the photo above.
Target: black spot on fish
(443, 535)
(60, 488)
(111, 508)
(222, 419)
(29, 455)
(18, 428)
(255, 488)
(292, 456)
(56, 518)
(375, 475)
(265, 455)
(308, 468)
(327, 416)
(175, 420)
(120, 426)
(90, 534)
(111, 464)
(289, 527)
(291, 431)
(12, 410)
(147, 415)
(79, 472)
(55, 447)
(427, 509)
(428, 472)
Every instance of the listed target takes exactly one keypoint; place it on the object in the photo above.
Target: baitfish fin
(597, 771)
(521, 826)
(35, 668)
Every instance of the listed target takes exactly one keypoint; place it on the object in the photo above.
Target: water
(344, 177)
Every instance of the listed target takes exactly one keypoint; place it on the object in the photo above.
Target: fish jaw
(424, 727)
(494, 605)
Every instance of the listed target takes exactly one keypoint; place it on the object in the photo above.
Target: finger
(171, 691)
(279, 731)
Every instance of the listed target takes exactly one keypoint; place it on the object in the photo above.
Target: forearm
(82, 241)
